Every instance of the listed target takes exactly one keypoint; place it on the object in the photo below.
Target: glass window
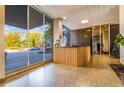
(16, 45)
(26, 45)
(36, 36)
(66, 36)
(48, 33)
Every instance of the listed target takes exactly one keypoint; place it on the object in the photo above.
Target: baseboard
(27, 68)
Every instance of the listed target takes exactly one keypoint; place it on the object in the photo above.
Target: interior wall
(96, 31)
(74, 38)
(114, 30)
(2, 21)
(121, 14)
(81, 37)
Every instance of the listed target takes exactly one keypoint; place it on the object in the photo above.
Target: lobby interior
(61, 46)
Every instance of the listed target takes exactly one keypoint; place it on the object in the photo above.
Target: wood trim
(2, 80)
(2, 54)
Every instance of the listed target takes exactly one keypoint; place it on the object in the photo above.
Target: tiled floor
(98, 73)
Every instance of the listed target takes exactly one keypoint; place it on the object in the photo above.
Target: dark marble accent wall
(114, 30)
(81, 37)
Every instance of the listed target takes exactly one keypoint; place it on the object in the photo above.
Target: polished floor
(96, 74)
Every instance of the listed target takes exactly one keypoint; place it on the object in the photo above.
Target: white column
(121, 20)
(57, 29)
(109, 38)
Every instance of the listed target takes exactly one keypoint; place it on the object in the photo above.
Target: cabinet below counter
(74, 56)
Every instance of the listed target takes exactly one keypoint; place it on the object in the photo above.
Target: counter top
(70, 46)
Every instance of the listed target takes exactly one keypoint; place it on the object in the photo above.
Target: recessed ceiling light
(88, 30)
(84, 21)
(64, 18)
(85, 36)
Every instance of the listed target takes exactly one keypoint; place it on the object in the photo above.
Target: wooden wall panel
(73, 56)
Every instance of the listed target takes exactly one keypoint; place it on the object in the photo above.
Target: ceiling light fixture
(84, 21)
(64, 18)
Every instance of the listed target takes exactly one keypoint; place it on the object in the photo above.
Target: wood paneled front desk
(74, 56)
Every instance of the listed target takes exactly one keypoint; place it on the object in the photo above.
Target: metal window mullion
(44, 39)
(28, 33)
(92, 41)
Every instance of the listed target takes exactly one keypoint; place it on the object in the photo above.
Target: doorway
(96, 40)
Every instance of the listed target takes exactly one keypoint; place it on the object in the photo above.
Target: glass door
(96, 40)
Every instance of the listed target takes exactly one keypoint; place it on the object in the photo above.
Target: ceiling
(95, 14)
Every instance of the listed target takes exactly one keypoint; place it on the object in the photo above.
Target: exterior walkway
(97, 74)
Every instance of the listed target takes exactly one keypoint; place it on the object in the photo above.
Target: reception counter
(74, 56)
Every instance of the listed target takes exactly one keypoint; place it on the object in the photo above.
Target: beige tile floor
(96, 74)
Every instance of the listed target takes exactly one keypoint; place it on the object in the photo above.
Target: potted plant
(119, 40)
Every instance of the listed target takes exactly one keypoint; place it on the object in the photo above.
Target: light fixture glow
(64, 18)
(84, 21)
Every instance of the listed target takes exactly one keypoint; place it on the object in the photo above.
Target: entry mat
(119, 69)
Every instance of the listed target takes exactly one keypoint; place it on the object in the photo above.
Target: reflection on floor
(99, 73)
